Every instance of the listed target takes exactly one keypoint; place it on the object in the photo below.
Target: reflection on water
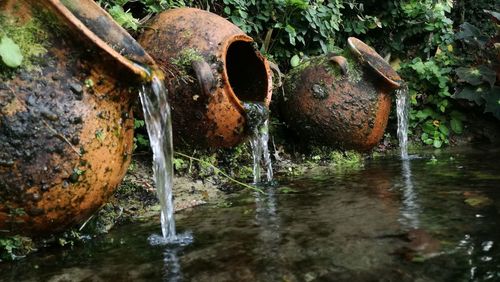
(269, 236)
(326, 225)
(410, 208)
(172, 268)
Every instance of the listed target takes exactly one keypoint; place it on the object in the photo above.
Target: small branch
(62, 137)
(221, 172)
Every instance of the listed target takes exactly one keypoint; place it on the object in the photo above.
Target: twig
(62, 137)
(50, 128)
(221, 172)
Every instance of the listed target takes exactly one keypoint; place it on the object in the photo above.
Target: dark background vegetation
(444, 49)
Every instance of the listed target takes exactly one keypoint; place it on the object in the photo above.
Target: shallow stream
(432, 218)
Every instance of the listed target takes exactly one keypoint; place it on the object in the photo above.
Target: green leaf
(444, 129)
(123, 18)
(437, 143)
(425, 113)
(494, 15)
(458, 115)
(456, 125)
(295, 61)
(470, 33)
(478, 201)
(429, 128)
(138, 123)
(473, 94)
(492, 104)
(10, 52)
(476, 75)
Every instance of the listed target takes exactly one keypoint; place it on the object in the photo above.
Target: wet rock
(319, 91)
(76, 88)
(421, 246)
(48, 114)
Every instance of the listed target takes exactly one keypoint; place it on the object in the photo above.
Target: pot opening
(246, 72)
(375, 61)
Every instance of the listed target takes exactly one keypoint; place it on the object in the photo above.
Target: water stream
(258, 123)
(403, 109)
(158, 122)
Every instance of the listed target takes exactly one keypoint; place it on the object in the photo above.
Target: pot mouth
(246, 71)
(369, 56)
(97, 26)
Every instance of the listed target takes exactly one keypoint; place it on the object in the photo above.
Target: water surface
(329, 224)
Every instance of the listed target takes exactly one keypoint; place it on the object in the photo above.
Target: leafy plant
(419, 36)
(478, 79)
(15, 247)
(141, 141)
(124, 18)
(285, 28)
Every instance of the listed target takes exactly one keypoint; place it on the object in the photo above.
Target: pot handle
(204, 75)
(342, 62)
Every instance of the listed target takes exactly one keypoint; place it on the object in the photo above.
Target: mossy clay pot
(212, 69)
(66, 125)
(340, 101)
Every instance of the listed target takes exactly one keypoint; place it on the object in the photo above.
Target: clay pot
(340, 101)
(212, 68)
(66, 126)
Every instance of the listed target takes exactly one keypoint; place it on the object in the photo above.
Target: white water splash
(158, 122)
(403, 109)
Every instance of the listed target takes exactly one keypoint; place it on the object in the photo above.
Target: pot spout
(97, 26)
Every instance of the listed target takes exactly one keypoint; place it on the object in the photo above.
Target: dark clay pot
(212, 68)
(338, 101)
(66, 125)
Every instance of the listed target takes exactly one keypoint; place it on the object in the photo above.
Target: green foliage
(15, 247)
(284, 28)
(420, 36)
(141, 141)
(429, 88)
(123, 18)
(477, 77)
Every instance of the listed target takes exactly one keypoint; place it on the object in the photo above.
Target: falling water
(258, 123)
(158, 123)
(403, 108)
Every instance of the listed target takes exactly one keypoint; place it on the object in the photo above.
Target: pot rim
(137, 64)
(232, 96)
(369, 56)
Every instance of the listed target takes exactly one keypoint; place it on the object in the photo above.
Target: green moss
(336, 158)
(183, 63)
(324, 61)
(347, 159)
(186, 57)
(30, 37)
(354, 70)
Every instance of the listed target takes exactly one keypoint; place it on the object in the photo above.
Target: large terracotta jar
(66, 125)
(341, 100)
(212, 69)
